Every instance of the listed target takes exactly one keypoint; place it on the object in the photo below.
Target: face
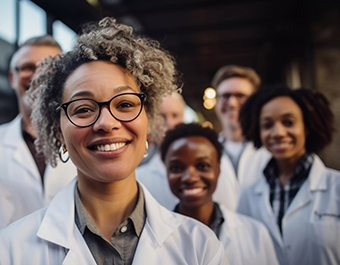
(108, 150)
(193, 170)
(172, 110)
(282, 129)
(231, 95)
(27, 57)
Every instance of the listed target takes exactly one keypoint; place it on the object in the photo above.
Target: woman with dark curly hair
(298, 197)
(95, 105)
(192, 156)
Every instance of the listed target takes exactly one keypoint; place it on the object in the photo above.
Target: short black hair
(186, 130)
(317, 115)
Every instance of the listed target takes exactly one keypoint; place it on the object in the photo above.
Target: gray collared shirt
(121, 249)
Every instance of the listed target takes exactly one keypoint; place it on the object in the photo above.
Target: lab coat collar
(316, 175)
(58, 224)
(231, 219)
(156, 215)
(13, 138)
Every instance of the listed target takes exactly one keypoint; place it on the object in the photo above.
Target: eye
(124, 105)
(175, 168)
(266, 125)
(203, 166)
(288, 122)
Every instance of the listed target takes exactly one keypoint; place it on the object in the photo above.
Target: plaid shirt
(281, 196)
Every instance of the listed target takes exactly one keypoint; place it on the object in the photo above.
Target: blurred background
(296, 43)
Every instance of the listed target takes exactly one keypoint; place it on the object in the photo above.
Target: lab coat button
(123, 229)
(288, 247)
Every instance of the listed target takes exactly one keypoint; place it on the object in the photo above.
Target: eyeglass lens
(238, 96)
(26, 70)
(124, 107)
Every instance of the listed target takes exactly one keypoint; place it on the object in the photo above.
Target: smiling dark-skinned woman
(192, 156)
(297, 197)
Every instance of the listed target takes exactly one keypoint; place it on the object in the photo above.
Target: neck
(27, 125)
(233, 134)
(109, 204)
(203, 213)
(287, 168)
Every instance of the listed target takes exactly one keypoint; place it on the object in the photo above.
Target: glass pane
(64, 35)
(7, 20)
(32, 21)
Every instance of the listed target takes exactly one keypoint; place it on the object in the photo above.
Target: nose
(278, 130)
(190, 176)
(232, 101)
(106, 122)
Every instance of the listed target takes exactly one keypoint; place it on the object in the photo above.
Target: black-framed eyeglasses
(85, 111)
(226, 96)
(26, 69)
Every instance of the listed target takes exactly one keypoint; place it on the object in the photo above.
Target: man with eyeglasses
(240, 161)
(30, 182)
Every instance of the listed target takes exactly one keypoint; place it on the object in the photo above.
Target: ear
(60, 135)
(11, 78)
(218, 169)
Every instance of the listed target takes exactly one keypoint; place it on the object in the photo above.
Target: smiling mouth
(279, 145)
(194, 191)
(109, 147)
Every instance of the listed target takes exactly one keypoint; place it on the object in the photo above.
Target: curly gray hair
(152, 67)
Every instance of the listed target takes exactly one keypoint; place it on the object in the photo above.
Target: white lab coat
(246, 240)
(154, 176)
(6, 207)
(50, 236)
(250, 166)
(311, 224)
(20, 176)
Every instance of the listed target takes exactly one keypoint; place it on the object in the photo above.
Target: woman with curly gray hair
(94, 105)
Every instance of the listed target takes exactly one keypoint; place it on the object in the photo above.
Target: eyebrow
(86, 93)
(290, 114)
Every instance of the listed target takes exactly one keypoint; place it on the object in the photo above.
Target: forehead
(100, 78)
(235, 85)
(172, 104)
(280, 106)
(195, 145)
(33, 54)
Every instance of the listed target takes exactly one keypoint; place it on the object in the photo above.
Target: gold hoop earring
(62, 152)
(146, 149)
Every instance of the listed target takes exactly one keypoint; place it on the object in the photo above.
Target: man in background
(151, 171)
(30, 181)
(240, 163)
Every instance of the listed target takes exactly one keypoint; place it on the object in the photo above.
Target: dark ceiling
(204, 35)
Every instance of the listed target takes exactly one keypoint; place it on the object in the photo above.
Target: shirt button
(123, 229)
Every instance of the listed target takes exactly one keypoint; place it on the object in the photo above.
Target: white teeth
(192, 191)
(280, 145)
(110, 147)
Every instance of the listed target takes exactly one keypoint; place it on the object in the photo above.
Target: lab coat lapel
(312, 183)
(159, 225)
(6, 207)
(58, 226)
(265, 210)
(22, 155)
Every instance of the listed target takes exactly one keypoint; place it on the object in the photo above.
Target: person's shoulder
(8, 127)
(23, 230)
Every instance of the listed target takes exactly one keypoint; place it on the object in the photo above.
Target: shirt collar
(301, 171)
(83, 218)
